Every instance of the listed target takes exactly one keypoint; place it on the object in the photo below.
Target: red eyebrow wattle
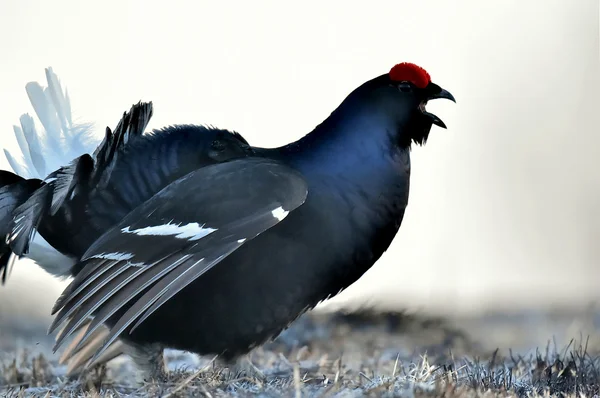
(410, 72)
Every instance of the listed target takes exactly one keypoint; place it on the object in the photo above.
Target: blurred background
(503, 214)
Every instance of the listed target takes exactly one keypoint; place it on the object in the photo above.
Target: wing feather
(114, 300)
(161, 247)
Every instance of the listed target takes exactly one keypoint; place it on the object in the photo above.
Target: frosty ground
(365, 353)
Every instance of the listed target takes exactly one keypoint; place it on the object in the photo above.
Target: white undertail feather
(50, 259)
(58, 141)
(44, 149)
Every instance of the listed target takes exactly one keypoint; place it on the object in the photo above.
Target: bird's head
(401, 96)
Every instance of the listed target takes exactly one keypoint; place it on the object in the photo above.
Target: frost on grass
(356, 355)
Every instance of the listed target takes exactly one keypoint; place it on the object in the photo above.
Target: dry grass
(354, 355)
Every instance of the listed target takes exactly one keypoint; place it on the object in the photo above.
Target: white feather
(46, 113)
(47, 148)
(50, 259)
(279, 213)
(63, 110)
(192, 231)
(22, 144)
(58, 141)
(15, 165)
(35, 148)
(117, 256)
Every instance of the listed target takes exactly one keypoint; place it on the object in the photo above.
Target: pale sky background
(504, 204)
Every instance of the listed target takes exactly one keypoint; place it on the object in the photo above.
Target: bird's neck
(354, 143)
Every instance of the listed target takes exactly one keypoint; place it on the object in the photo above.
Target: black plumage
(14, 190)
(189, 238)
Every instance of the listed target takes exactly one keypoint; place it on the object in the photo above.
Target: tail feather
(68, 179)
(61, 159)
(15, 165)
(23, 204)
(83, 172)
(8, 202)
(14, 191)
(59, 141)
(5, 269)
(26, 218)
(60, 100)
(131, 126)
(46, 112)
(8, 178)
(24, 146)
(35, 147)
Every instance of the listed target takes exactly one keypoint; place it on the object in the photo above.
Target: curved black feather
(27, 216)
(131, 126)
(69, 179)
(14, 191)
(8, 178)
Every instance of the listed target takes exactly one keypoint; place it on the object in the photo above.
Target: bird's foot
(150, 361)
(243, 367)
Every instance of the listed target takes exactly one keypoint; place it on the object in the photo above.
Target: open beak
(433, 91)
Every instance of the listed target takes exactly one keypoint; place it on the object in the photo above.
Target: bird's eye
(405, 87)
(217, 145)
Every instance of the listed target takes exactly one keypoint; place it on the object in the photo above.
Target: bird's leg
(242, 366)
(150, 361)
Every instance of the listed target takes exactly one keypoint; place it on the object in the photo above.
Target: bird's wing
(172, 239)
(58, 142)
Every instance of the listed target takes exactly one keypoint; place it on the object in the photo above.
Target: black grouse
(189, 238)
